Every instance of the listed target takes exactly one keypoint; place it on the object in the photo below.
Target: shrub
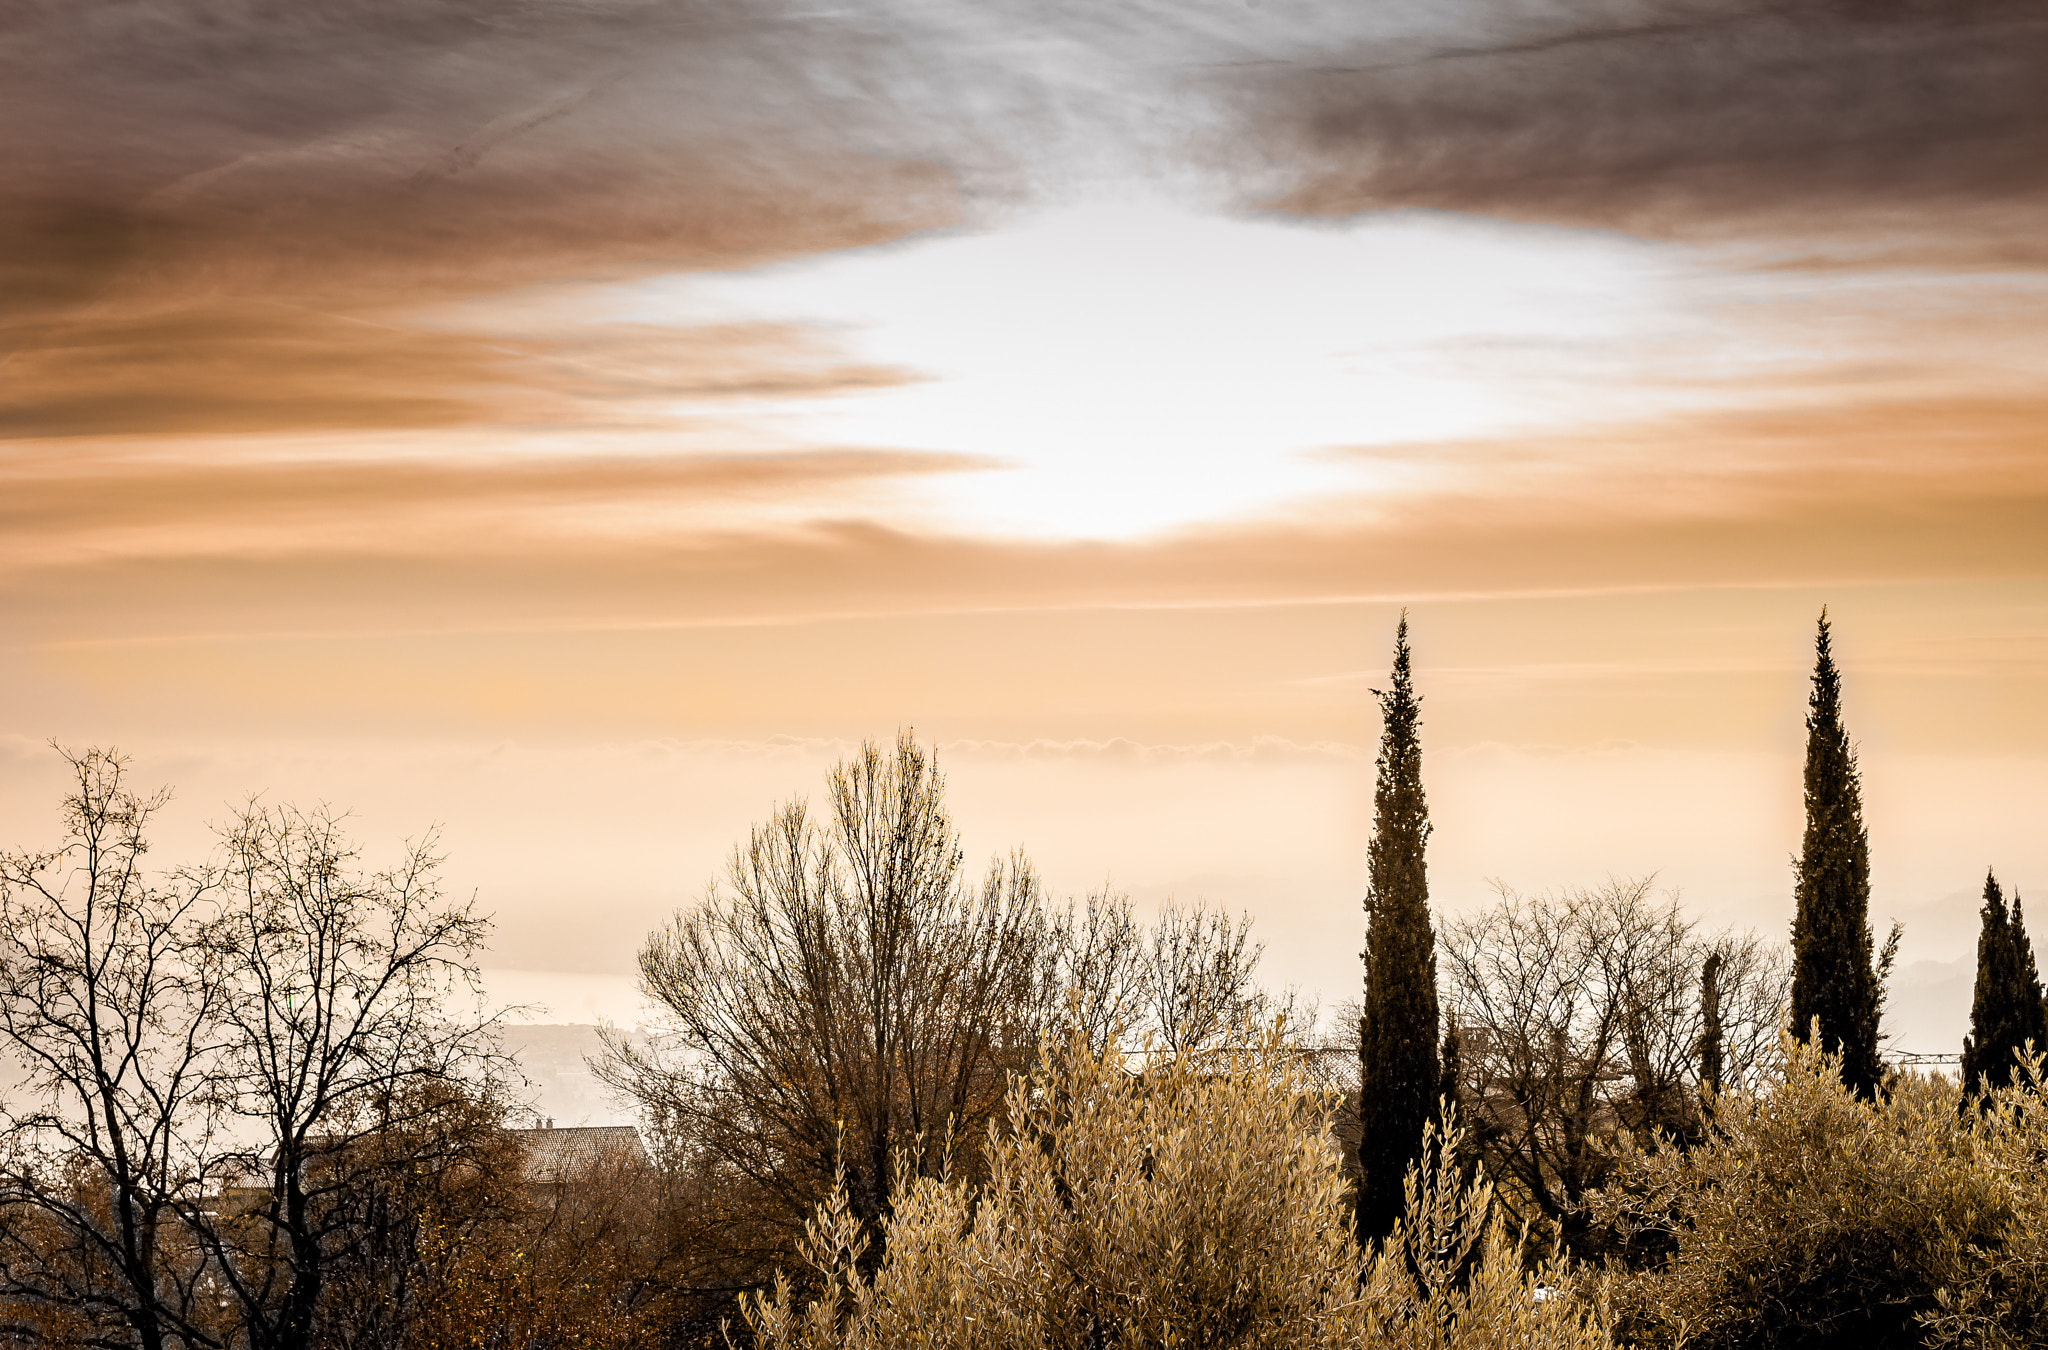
(1815, 1218)
(1200, 1203)
(2001, 1299)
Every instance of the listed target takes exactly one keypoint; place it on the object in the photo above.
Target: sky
(573, 424)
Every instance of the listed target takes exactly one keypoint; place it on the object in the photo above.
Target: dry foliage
(1200, 1204)
(847, 995)
(404, 1201)
(578, 1264)
(1815, 1218)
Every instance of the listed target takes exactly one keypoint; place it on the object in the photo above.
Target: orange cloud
(1885, 492)
(274, 367)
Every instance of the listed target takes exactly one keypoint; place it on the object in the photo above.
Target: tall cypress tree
(1397, 1043)
(1833, 979)
(2033, 1007)
(1712, 1036)
(2006, 1011)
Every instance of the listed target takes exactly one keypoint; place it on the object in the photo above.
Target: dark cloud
(1673, 117)
(209, 208)
(385, 146)
(351, 150)
(211, 211)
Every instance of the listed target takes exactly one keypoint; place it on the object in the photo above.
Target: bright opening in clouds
(1131, 366)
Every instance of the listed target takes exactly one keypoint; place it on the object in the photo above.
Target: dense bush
(1200, 1203)
(1814, 1218)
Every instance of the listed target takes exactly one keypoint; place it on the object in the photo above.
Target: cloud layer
(1686, 117)
(213, 216)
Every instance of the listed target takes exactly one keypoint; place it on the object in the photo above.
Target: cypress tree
(1450, 1068)
(1712, 1035)
(1397, 1043)
(2005, 1012)
(2033, 1007)
(1833, 980)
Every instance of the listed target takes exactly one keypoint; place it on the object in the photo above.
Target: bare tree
(352, 1019)
(226, 1070)
(846, 1002)
(1201, 990)
(1095, 980)
(1580, 1019)
(844, 994)
(1187, 984)
(108, 1004)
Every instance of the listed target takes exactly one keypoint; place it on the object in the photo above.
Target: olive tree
(1813, 1217)
(1113, 1213)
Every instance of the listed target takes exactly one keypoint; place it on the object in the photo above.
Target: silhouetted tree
(1710, 1023)
(1397, 1033)
(2035, 1007)
(1450, 1068)
(1834, 983)
(231, 1074)
(2006, 1011)
(354, 1049)
(109, 1007)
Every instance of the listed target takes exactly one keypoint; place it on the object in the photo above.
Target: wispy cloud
(268, 367)
(1905, 492)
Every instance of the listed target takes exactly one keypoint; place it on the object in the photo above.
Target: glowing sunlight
(1130, 366)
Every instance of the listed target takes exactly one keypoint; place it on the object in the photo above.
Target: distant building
(555, 1156)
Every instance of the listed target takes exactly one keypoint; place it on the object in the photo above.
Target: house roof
(556, 1154)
